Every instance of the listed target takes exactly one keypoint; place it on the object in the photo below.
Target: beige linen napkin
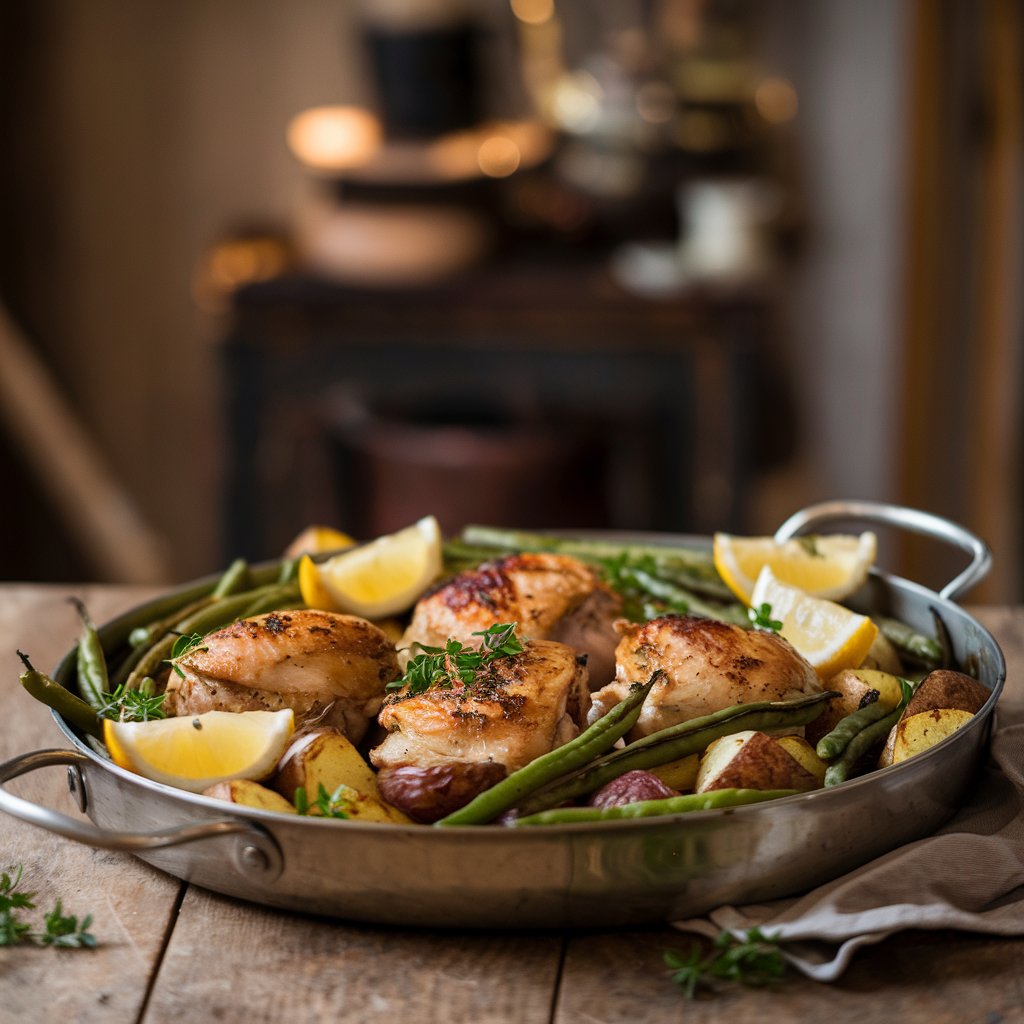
(969, 876)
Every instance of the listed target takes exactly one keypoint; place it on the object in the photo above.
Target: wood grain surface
(170, 952)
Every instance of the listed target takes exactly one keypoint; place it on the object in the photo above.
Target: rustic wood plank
(931, 978)
(131, 902)
(262, 965)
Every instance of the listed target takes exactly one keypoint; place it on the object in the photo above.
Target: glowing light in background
(576, 102)
(498, 156)
(776, 100)
(533, 12)
(334, 138)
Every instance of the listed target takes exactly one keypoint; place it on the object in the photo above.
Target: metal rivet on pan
(76, 787)
(254, 859)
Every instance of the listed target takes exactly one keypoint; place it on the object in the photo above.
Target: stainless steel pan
(625, 872)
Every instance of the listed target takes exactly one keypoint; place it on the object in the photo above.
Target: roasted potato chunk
(324, 757)
(914, 734)
(250, 794)
(855, 686)
(945, 688)
(751, 760)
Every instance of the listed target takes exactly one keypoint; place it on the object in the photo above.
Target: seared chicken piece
(707, 665)
(327, 667)
(551, 597)
(466, 738)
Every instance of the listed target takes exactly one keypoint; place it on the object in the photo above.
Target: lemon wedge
(315, 539)
(378, 579)
(195, 752)
(831, 566)
(829, 636)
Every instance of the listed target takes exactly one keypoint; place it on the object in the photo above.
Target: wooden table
(171, 952)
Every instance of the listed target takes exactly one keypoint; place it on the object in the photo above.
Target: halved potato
(916, 733)
(854, 685)
(681, 775)
(945, 688)
(798, 748)
(324, 757)
(751, 760)
(883, 655)
(250, 794)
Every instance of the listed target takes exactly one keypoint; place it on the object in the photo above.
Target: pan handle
(912, 519)
(256, 851)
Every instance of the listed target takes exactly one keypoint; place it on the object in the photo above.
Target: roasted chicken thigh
(327, 667)
(450, 741)
(707, 665)
(551, 597)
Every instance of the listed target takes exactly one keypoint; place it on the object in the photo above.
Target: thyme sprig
(754, 960)
(329, 805)
(59, 929)
(644, 595)
(455, 664)
(124, 705)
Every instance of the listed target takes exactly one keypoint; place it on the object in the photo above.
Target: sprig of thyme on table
(754, 960)
(455, 663)
(59, 929)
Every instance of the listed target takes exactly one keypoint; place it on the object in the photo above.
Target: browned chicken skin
(551, 597)
(708, 665)
(520, 707)
(324, 666)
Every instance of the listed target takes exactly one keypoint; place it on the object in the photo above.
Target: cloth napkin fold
(969, 875)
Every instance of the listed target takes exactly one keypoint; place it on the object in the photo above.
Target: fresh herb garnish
(761, 618)
(455, 663)
(753, 960)
(58, 929)
(330, 805)
(124, 705)
(182, 646)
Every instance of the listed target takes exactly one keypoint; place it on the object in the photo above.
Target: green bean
(696, 566)
(833, 743)
(675, 742)
(289, 570)
(90, 660)
(590, 743)
(919, 648)
(143, 636)
(235, 578)
(859, 745)
(711, 800)
(151, 662)
(75, 710)
(273, 599)
(207, 619)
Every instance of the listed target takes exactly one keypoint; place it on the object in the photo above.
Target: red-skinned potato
(751, 760)
(631, 788)
(429, 793)
(945, 688)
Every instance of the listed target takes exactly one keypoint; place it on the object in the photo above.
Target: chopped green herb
(329, 805)
(761, 618)
(455, 663)
(58, 929)
(182, 646)
(753, 960)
